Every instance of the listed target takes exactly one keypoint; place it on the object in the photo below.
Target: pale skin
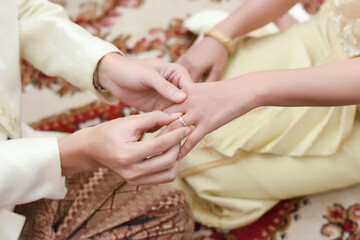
(212, 104)
(210, 56)
(116, 145)
(285, 21)
(147, 85)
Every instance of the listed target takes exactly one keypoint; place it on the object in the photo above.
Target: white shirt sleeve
(299, 13)
(11, 224)
(30, 170)
(59, 47)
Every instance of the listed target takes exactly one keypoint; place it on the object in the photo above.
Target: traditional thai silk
(101, 205)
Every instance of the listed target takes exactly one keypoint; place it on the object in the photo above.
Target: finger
(163, 122)
(178, 75)
(159, 144)
(166, 89)
(216, 72)
(177, 124)
(157, 178)
(176, 108)
(160, 162)
(185, 80)
(155, 164)
(193, 139)
(169, 128)
(196, 74)
(146, 121)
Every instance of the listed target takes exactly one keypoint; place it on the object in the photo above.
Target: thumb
(167, 90)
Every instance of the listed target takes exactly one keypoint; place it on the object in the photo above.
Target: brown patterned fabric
(100, 205)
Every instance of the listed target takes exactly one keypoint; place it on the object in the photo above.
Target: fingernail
(179, 156)
(179, 95)
(187, 131)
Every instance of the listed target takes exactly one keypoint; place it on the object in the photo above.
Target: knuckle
(170, 163)
(124, 158)
(171, 176)
(129, 175)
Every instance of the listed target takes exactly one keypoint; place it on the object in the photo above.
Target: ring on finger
(181, 119)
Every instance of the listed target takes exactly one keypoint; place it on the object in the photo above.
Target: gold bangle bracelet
(222, 38)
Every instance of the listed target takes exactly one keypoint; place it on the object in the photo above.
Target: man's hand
(116, 145)
(144, 84)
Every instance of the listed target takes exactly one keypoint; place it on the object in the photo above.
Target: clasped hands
(151, 86)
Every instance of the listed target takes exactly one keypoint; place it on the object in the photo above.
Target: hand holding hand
(116, 145)
(207, 56)
(211, 105)
(144, 84)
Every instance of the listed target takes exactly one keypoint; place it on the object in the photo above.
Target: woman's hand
(210, 56)
(207, 56)
(211, 105)
(116, 145)
(144, 84)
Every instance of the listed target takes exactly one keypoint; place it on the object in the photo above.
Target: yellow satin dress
(244, 168)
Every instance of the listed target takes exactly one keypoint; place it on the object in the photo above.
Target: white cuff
(11, 225)
(30, 169)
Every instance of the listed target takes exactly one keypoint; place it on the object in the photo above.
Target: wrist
(96, 80)
(251, 92)
(259, 89)
(227, 29)
(102, 79)
(74, 154)
(222, 38)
